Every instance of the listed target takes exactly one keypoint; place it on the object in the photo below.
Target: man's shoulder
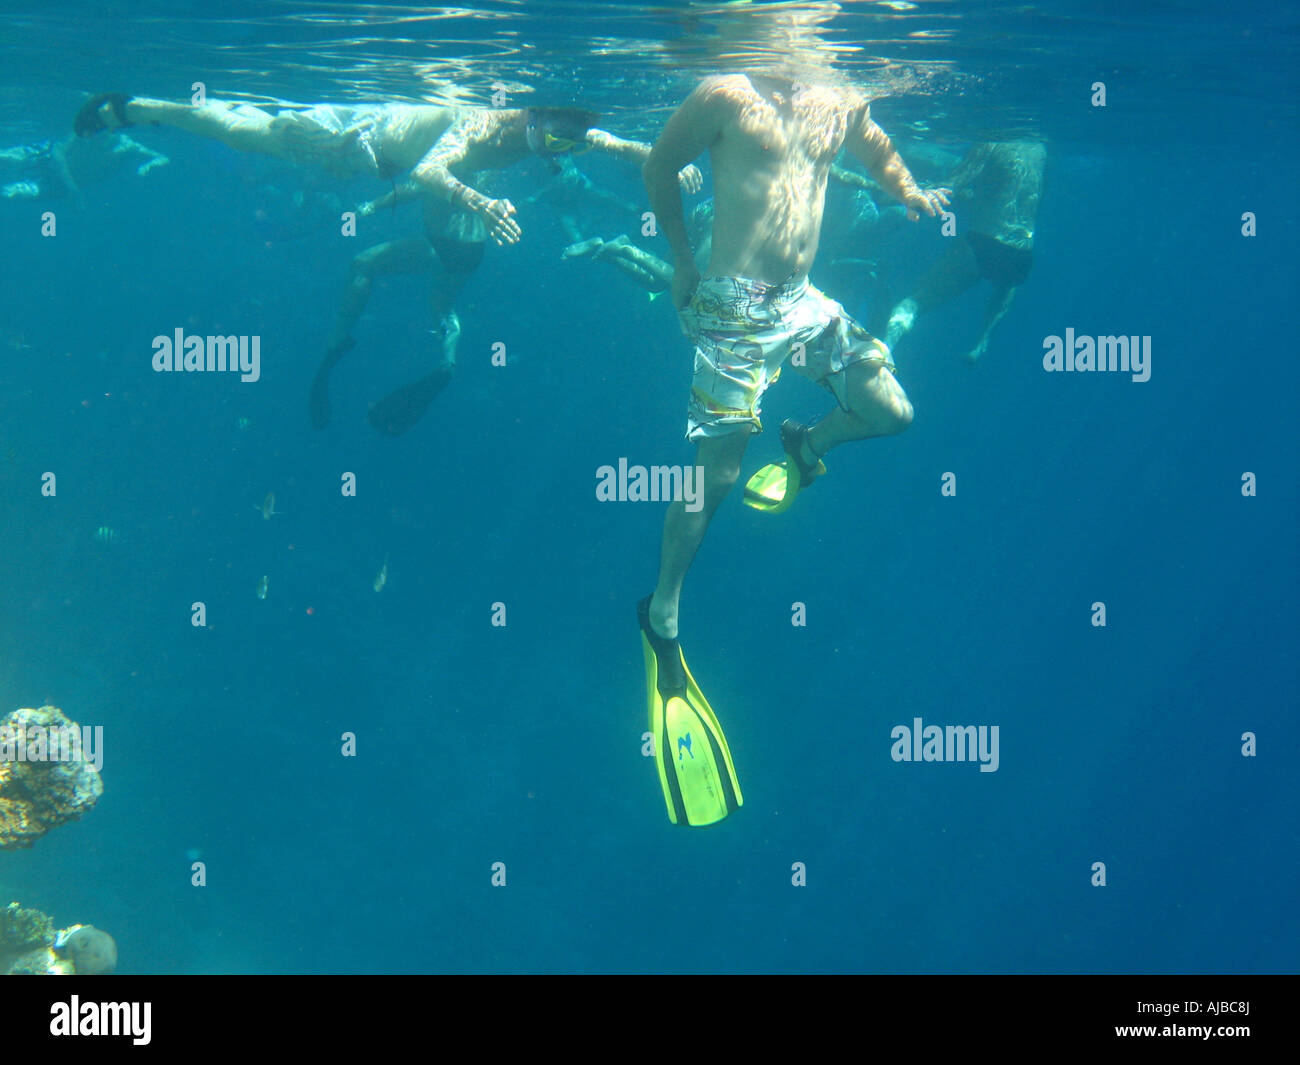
(723, 89)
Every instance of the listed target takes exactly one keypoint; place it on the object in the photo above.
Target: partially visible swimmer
(442, 147)
(66, 168)
(457, 220)
(996, 191)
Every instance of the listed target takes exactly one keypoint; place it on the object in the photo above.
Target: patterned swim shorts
(744, 330)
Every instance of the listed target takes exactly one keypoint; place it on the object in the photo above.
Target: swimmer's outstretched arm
(400, 194)
(869, 144)
(126, 146)
(434, 175)
(689, 177)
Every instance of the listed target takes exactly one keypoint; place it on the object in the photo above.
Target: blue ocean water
(521, 744)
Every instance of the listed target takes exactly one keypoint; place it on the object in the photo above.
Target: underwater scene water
(360, 628)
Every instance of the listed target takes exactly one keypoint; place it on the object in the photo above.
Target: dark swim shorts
(998, 262)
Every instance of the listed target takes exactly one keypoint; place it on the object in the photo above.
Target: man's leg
(401, 409)
(998, 305)
(952, 275)
(719, 457)
(646, 269)
(244, 127)
(314, 136)
(394, 257)
(878, 406)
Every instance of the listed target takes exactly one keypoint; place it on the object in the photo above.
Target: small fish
(381, 578)
(267, 506)
(244, 424)
(105, 535)
(263, 585)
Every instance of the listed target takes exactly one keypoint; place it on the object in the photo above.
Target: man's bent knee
(902, 416)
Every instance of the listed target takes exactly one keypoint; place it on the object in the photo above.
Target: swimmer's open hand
(366, 209)
(499, 217)
(926, 201)
(686, 278)
(690, 178)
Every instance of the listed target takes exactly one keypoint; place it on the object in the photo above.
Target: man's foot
(973, 356)
(901, 321)
(399, 411)
(794, 438)
(583, 249)
(773, 488)
(105, 111)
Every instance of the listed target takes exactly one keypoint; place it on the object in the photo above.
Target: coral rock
(36, 796)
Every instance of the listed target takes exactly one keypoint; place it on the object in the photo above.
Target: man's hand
(690, 178)
(928, 201)
(686, 279)
(366, 209)
(499, 217)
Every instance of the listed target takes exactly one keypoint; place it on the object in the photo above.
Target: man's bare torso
(770, 165)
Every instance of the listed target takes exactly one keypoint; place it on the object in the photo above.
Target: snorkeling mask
(544, 142)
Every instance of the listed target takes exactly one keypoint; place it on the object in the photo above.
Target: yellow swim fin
(695, 769)
(773, 488)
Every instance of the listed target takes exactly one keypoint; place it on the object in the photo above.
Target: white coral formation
(38, 793)
(30, 946)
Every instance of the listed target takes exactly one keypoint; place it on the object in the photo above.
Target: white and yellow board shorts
(744, 330)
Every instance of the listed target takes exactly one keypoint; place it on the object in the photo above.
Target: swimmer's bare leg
(244, 127)
(443, 293)
(583, 249)
(638, 262)
(878, 406)
(952, 275)
(571, 230)
(647, 270)
(410, 256)
(400, 410)
(998, 305)
(719, 458)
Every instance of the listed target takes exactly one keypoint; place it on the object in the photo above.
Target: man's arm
(690, 132)
(434, 175)
(638, 152)
(868, 143)
(403, 193)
